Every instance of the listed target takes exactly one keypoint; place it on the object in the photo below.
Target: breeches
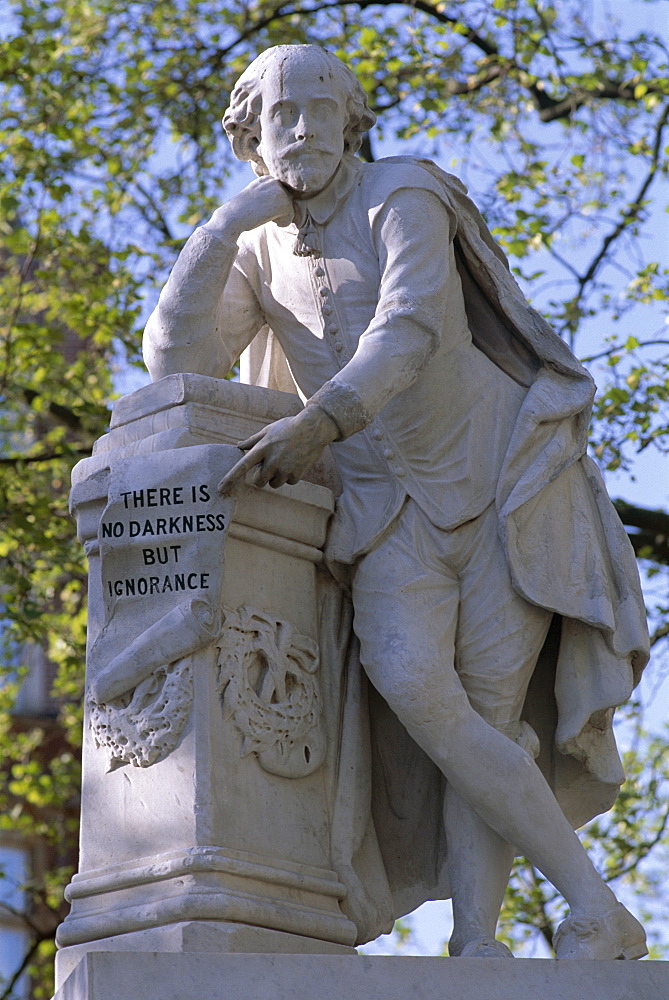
(441, 629)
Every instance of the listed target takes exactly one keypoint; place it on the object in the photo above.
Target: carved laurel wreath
(144, 726)
(267, 680)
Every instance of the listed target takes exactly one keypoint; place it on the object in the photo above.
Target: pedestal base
(197, 936)
(108, 976)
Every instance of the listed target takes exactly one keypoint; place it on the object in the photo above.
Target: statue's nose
(303, 129)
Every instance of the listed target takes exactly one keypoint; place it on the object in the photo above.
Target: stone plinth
(208, 789)
(330, 977)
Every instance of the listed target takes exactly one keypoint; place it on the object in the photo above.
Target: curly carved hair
(241, 120)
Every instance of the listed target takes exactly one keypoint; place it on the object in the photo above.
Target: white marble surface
(279, 977)
(210, 751)
(469, 515)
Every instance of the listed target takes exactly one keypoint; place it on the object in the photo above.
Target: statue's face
(302, 124)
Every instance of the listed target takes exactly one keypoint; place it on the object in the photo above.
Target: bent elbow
(165, 354)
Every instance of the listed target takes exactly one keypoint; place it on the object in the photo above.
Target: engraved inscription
(126, 521)
(162, 540)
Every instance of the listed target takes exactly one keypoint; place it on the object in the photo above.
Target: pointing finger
(238, 471)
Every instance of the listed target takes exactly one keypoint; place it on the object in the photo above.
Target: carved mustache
(299, 149)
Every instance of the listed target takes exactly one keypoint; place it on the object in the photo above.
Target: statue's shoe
(485, 948)
(616, 934)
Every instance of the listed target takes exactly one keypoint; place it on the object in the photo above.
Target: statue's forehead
(310, 73)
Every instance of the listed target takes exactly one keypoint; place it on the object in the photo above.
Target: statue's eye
(284, 112)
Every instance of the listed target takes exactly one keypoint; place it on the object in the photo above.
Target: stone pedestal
(206, 801)
(329, 977)
(212, 763)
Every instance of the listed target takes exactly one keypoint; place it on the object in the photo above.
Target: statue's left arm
(411, 233)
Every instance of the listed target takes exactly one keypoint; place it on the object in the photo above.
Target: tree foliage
(555, 115)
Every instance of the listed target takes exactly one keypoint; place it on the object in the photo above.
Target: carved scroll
(139, 703)
(183, 630)
(162, 547)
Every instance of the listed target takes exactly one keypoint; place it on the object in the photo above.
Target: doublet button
(388, 453)
(377, 434)
(327, 309)
(319, 272)
(399, 472)
(339, 348)
(324, 292)
(333, 330)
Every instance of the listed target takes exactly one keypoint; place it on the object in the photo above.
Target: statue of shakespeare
(477, 535)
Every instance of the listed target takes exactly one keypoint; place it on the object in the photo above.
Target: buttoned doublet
(375, 328)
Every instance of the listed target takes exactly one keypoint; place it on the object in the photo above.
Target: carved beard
(304, 172)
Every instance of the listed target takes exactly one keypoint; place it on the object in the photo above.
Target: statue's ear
(247, 149)
(251, 147)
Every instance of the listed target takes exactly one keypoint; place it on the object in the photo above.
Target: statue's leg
(403, 596)
(498, 640)
(479, 864)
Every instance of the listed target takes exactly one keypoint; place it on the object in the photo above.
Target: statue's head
(294, 112)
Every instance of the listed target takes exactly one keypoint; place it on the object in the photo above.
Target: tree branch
(549, 108)
(62, 414)
(158, 220)
(643, 517)
(632, 211)
(652, 535)
(659, 633)
(629, 216)
(27, 959)
(642, 850)
(45, 456)
(617, 350)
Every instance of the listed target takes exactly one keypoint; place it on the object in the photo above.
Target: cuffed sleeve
(343, 405)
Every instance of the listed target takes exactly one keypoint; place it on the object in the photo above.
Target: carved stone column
(211, 722)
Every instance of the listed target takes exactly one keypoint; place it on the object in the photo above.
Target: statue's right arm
(207, 313)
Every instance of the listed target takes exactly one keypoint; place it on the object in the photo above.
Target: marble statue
(495, 596)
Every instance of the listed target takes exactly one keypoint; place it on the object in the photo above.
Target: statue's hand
(263, 200)
(285, 450)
